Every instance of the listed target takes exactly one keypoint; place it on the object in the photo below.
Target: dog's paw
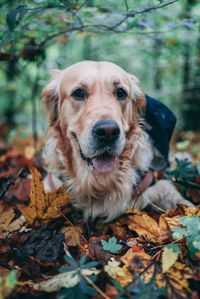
(162, 196)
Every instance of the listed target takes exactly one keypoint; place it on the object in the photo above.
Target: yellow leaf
(6, 217)
(29, 152)
(169, 257)
(138, 263)
(113, 269)
(72, 235)
(43, 206)
(175, 280)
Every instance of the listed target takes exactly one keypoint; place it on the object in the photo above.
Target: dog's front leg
(163, 195)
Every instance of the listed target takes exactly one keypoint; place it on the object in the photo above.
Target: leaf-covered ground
(47, 251)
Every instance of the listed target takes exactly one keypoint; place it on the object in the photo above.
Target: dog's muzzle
(105, 136)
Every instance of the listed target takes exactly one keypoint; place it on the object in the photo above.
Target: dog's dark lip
(88, 160)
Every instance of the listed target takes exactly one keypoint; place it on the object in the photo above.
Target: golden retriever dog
(97, 142)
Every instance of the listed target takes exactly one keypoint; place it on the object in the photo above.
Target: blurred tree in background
(158, 40)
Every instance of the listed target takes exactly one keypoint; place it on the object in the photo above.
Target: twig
(70, 223)
(155, 206)
(12, 180)
(95, 286)
(93, 27)
(126, 5)
(134, 13)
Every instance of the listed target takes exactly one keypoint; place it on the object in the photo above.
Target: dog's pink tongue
(104, 163)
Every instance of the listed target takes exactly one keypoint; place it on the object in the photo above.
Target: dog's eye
(121, 93)
(79, 94)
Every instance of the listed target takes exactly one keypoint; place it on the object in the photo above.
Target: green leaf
(72, 293)
(15, 16)
(141, 290)
(169, 256)
(70, 260)
(198, 167)
(190, 230)
(11, 280)
(183, 169)
(111, 245)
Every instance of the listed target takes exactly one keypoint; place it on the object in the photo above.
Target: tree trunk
(157, 48)
(191, 86)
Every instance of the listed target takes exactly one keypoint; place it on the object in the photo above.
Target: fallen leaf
(63, 280)
(138, 263)
(6, 217)
(72, 235)
(191, 230)
(8, 282)
(111, 245)
(169, 256)
(114, 269)
(146, 226)
(43, 206)
(175, 280)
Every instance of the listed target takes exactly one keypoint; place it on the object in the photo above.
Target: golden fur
(70, 124)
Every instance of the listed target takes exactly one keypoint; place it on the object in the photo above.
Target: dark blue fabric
(162, 122)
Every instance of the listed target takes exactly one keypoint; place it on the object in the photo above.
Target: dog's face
(95, 104)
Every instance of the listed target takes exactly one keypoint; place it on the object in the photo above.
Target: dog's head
(95, 105)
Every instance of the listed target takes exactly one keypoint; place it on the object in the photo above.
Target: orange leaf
(146, 226)
(138, 263)
(175, 280)
(43, 206)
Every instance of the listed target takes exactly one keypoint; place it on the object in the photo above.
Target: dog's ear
(50, 96)
(136, 93)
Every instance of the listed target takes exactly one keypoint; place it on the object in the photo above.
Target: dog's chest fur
(104, 195)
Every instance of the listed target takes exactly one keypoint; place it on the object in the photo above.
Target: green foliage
(7, 283)
(111, 245)
(139, 290)
(191, 231)
(12, 279)
(82, 289)
(183, 170)
(74, 265)
(145, 290)
(37, 36)
(15, 16)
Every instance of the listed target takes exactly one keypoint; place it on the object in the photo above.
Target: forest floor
(47, 251)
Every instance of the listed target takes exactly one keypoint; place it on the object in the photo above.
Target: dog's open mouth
(103, 163)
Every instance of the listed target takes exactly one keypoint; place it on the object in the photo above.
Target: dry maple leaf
(175, 280)
(72, 234)
(43, 206)
(145, 225)
(160, 232)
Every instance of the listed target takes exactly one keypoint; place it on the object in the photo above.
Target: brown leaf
(72, 235)
(96, 251)
(43, 206)
(6, 217)
(138, 263)
(146, 226)
(175, 280)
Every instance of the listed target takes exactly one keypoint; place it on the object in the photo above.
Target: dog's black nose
(106, 130)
